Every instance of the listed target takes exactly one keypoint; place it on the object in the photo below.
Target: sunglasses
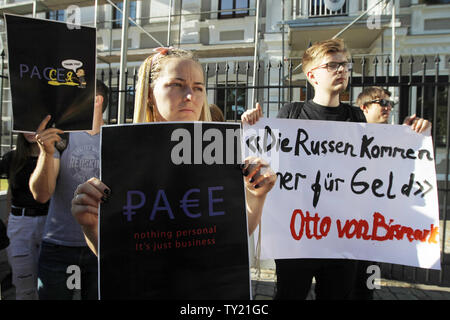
(334, 66)
(382, 102)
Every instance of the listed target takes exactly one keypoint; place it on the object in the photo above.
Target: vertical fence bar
(1, 101)
(227, 67)
(110, 95)
(436, 92)
(375, 69)
(118, 92)
(424, 70)
(280, 77)
(247, 76)
(388, 62)
(236, 70)
(269, 66)
(290, 80)
(102, 79)
(216, 89)
(399, 81)
(258, 69)
(363, 71)
(206, 80)
(135, 72)
(126, 97)
(350, 87)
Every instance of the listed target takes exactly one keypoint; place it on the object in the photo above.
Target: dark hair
(216, 113)
(19, 158)
(103, 91)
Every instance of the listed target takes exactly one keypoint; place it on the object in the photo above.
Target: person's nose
(188, 93)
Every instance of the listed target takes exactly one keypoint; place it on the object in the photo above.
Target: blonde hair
(149, 72)
(371, 93)
(320, 49)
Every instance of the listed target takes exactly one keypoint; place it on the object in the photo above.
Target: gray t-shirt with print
(79, 162)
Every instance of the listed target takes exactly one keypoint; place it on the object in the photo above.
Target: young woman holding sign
(171, 87)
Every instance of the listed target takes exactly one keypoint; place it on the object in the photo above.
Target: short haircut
(103, 91)
(371, 93)
(320, 49)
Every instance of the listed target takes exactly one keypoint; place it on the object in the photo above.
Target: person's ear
(364, 108)
(311, 78)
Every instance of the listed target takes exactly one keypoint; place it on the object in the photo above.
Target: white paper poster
(348, 190)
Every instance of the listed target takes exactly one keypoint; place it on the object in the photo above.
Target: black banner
(52, 71)
(175, 225)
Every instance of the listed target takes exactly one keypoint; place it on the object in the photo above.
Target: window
(235, 105)
(57, 15)
(117, 15)
(318, 8)
(435, 1)
(233, 4)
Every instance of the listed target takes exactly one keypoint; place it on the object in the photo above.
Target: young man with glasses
(326, 65)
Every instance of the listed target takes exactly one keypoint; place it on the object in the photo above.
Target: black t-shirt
(313, 111)
(20, 193)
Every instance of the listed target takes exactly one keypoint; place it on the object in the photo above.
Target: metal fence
(417, 84)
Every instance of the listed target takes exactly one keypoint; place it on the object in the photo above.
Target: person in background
(376, 104)
(216, 113)
(57, 174)
(26, 218)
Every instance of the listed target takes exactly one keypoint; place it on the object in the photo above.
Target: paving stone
(420, 294)
(437, 295)
(385, 294)
(266, 290)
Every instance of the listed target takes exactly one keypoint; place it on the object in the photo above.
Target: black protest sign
(52, 71)
(175, 225)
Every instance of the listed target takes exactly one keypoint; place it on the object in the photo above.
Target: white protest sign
(348, 190)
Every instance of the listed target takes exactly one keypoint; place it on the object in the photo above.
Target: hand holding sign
(252, 116)
(85, 204)
(259, 180)
(47, 138)
(417, 124)
(259, 177)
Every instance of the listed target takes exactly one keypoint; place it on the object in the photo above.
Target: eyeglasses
(334, 66)
(382, 102)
